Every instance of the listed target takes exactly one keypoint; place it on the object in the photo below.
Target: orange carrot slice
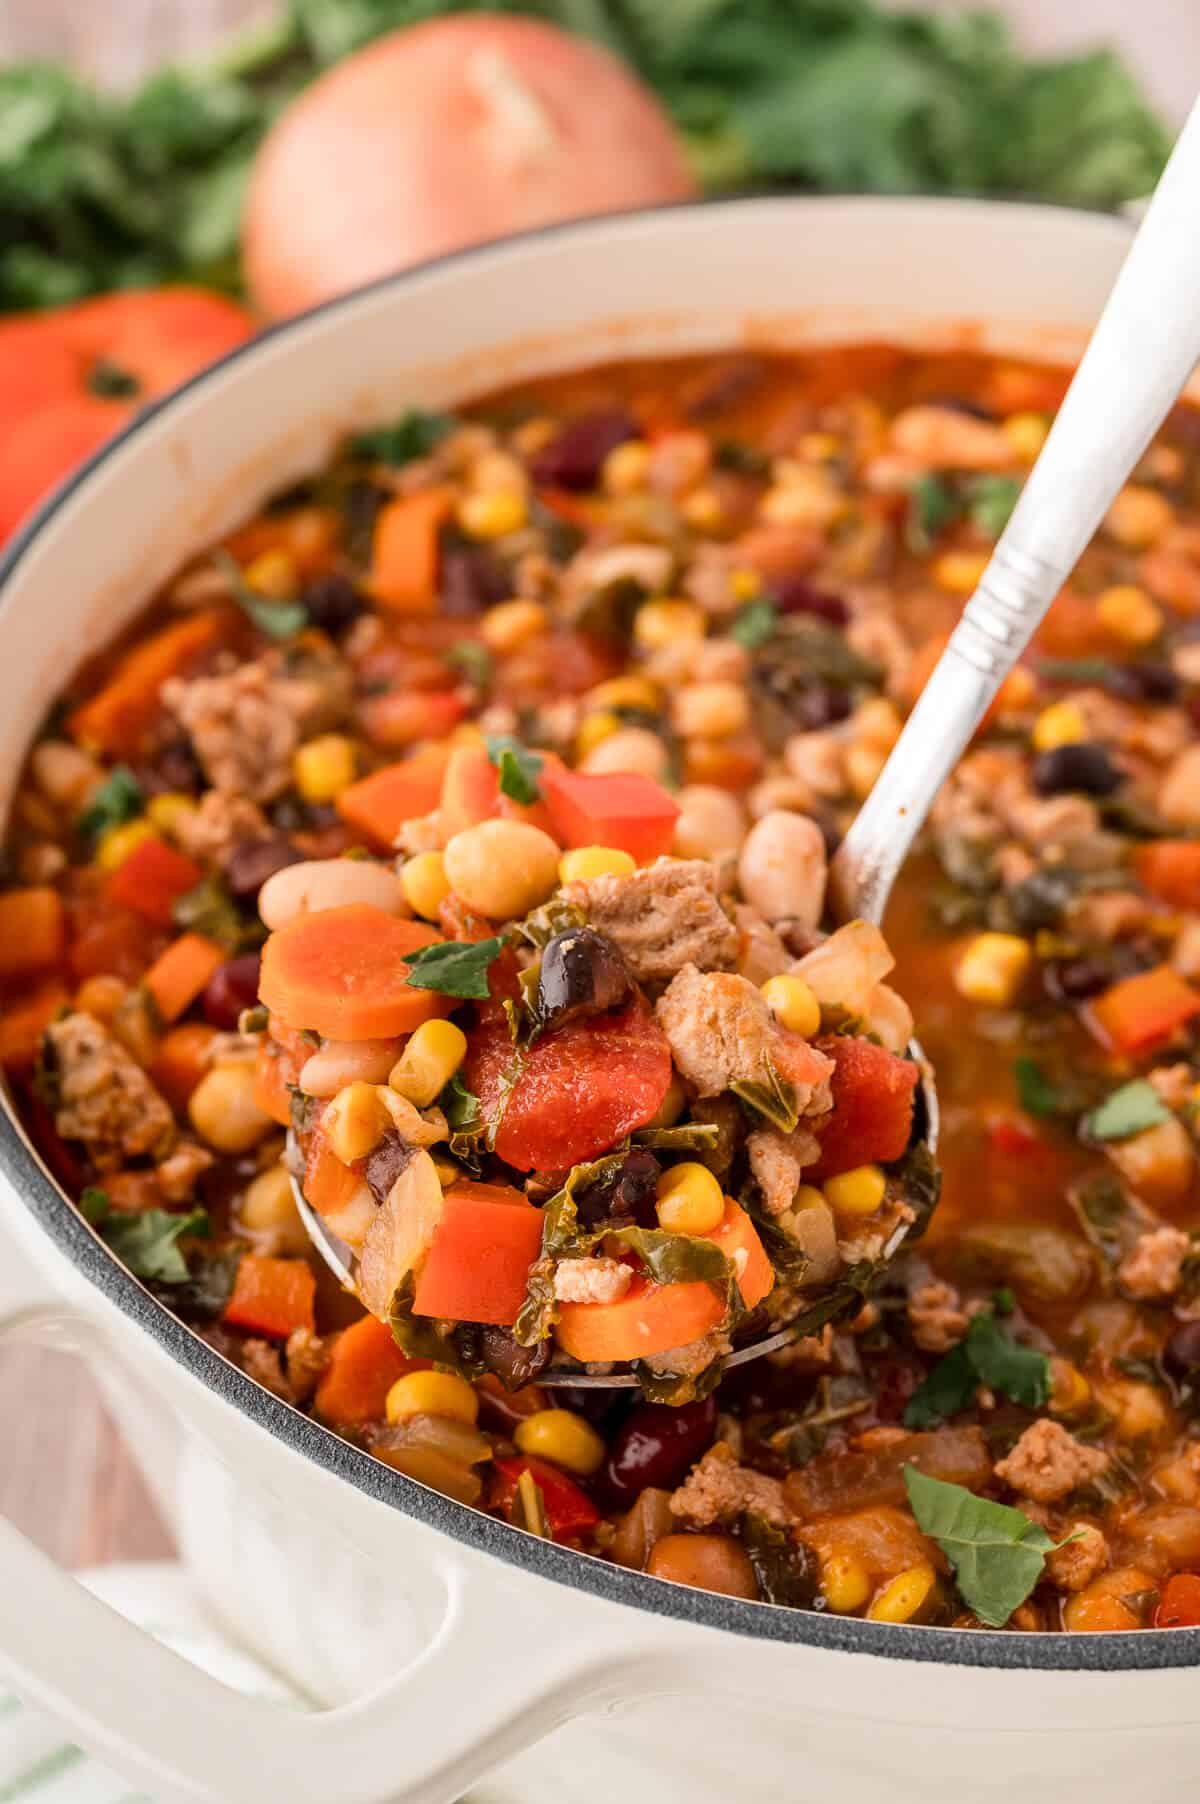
(341, 972)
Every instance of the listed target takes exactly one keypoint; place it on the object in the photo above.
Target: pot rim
(1146, 1650)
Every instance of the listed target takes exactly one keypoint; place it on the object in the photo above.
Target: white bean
(342, 1062)
(711, 821)
(502, 868)
(782, 868)
(63, 773)
(321, 883)
(631, 749)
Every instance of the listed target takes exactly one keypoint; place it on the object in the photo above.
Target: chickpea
(502, 868)
(223, 1111)
(268, 1209)
(710, 1562)
(631, 749)
(329, 883)
(711, 822)
(710, 710)
(782, 868)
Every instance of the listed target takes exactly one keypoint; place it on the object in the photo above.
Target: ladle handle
(1140, 356)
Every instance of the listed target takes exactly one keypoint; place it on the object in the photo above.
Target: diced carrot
(272, 1296)
(282, 1054)
(872, 1114)
(33, 931)
(113, 720)
(1140, 1011)
(24, 1019)
(364, 1364)
(407, 716)
(178, 975)
(652, 1318)
(477, 1268)
(152, 879)
(1170, 870)
(328, 1184)
(404, 552)
(182, 1060)
(341, 972)
(630, 812)
(377, 806)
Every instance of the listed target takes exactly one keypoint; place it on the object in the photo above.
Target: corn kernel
(905, 1596)
(324, 767)
(666, 622)
(425, 883)
(690, 1200)
(808, 1196)
(167, 811)
(1026, 433)
(959, 571)
(672, 1105)
(223, 1110)
(857, 1192)
(272, 574)
(702, 510)
(1062, 723)
(1138, 517)
(802, 495)
(268, 1207)
(588, 862)
(745, 584)
(845, 1582)
(626, 467)
(563, 1437)
(877, 723)
(594, 729)
(115, 846)
(710, 710)
(429, 1060)
(1070, 1392)
(626, 692)
(493, 514)
(1129, 614)
(355, 1121)
(793, 1004)
(818, 447)
(863, 764)
(511, 624)
(993, 968)
(432, 1394)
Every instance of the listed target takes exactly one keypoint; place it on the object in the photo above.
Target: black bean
(1150, 681)
(385, 1164)
(472, 580)
(582, 973)
(254, 860)
(796, 595)
(1084, 767)
(1075, 979)
(513, 1364)
(655, 1445)
(821, 706)
(575, 457)
(1181, 1355)
(232, 987)
(333, 602)
(626, 1195)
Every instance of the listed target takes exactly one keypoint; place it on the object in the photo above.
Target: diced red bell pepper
(151, 880)
(1179, 1605)
(1140, 1011)
(477, 1269)
(625, 810)
(570, 1512)
(580, 1089)
(272, 1296)
(872, 1106)
(1170, 870)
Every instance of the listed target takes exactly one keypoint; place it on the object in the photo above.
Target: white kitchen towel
(38, 1765)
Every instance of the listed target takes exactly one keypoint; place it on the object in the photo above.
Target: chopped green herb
(93, 1204)
(455, 967)
(519, 768)
(1003, 1300)
(932, 504)
(688, 1137)
(755, 623)
(739, 458)
(147, 1242)
(118, 799)
(947, 1389)
(992, 501)
(1127, 1111)
(986, 1355)
(111, 382)
(997, 1553)
(1037, 1094)
(415, 434)
(277, 619)
(1094, 672)
(473, 659)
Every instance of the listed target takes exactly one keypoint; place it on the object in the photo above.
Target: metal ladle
(1141, 354)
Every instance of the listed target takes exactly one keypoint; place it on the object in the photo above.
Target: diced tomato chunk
(570, 1512)
(872, 1106)
(624, 810)
(579, 1089)
(1179, 1605)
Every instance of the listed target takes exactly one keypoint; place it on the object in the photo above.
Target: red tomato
(570, 1512)
(581, 1088)
(1179, 1605)
(872, 1106)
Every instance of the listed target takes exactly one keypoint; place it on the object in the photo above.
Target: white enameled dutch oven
(448, 1649)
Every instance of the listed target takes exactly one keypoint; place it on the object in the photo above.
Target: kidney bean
(254, 860)
(655, 1445)
(575, 457)
(1149, 681)
(1083, 767)
(1181, 1355)
(514, 1365)
(1075, 979)
(821, 706)
(333, 602)
(472, 581)
(232, 987)
(796, 595)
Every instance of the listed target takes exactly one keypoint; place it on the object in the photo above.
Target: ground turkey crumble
(592, 1280)
(719, 1490)
(1081, 1558)
(102, 1097)
(1154, 1266)
(1047, 1463)
(212, 831)
(722, 1032)
(777, 1162)
(936, 1316)
(245, 724)
(662, 917)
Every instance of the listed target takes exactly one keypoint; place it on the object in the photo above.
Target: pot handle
(495, 1677)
